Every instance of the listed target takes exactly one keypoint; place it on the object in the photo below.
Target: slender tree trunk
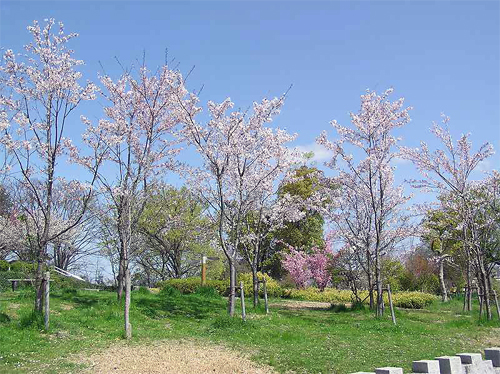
(370, 280)
(128, 326)
(378, 281)
(468, 302)
(121, 277)
(38, 282)
(232, 287)
(485, 287)
(255, 281)
(370, 292)
(444, 293)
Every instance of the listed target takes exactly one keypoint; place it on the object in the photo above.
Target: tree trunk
(444, 293)
(370, 292)
(370, 281)
(255, 281)
(121, 279)
(378, 281)
(468, 293)
(232, 287)
(39, 283)
(485, 287)
(128, 326)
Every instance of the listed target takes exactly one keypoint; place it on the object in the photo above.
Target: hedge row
(190, 285)
(401, 299)
(414, 300)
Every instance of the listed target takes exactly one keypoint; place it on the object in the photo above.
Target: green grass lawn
(305, 341)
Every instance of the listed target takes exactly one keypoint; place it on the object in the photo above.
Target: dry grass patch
(66, 306)
(172, 357)
(296, 304)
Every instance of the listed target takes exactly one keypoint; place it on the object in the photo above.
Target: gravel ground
(172, 357)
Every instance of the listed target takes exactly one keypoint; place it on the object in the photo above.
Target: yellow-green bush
(273, 287)
(415, 300)
(190, 285)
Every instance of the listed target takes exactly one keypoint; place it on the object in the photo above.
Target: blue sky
(441, 56)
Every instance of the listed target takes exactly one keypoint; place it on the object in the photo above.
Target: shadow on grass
(190, 306)
(81, 300)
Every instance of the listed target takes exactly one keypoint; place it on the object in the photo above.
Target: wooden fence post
(46, 300)
(390, 303)
(265, 296)
(242, 297)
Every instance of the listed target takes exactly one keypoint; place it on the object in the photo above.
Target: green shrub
(273, 287)
(414, 300)
(22, 266)
(4, 265)
(190, 285)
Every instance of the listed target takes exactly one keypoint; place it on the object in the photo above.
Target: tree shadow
(192, 306)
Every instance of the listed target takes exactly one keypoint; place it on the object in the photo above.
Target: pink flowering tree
(297, 264)
(39, 92)
(137, 142)
(242, 159)
(320, 263)
(367, 209)
(306, 267)
(447, 172)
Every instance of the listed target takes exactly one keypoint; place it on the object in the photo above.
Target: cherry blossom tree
(40, 91)
(270, 213)
(448, 172)
(305, 267)
(297, 264)
(137, 142)
(378, 205)
(242, 158)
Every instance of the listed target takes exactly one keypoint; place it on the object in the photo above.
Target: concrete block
(362, 372)
(483, 367)
(426, 366)
(470, 358)
(450, 365)
(389, 370)
(493, 354)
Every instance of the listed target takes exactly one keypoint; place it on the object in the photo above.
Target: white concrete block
(450, 365)
(389, 370)
(470, 358)
(426, 366)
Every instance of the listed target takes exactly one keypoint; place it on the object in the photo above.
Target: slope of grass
(305, 341)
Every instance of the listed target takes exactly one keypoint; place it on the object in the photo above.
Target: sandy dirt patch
(297, 304)
(172, 357)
